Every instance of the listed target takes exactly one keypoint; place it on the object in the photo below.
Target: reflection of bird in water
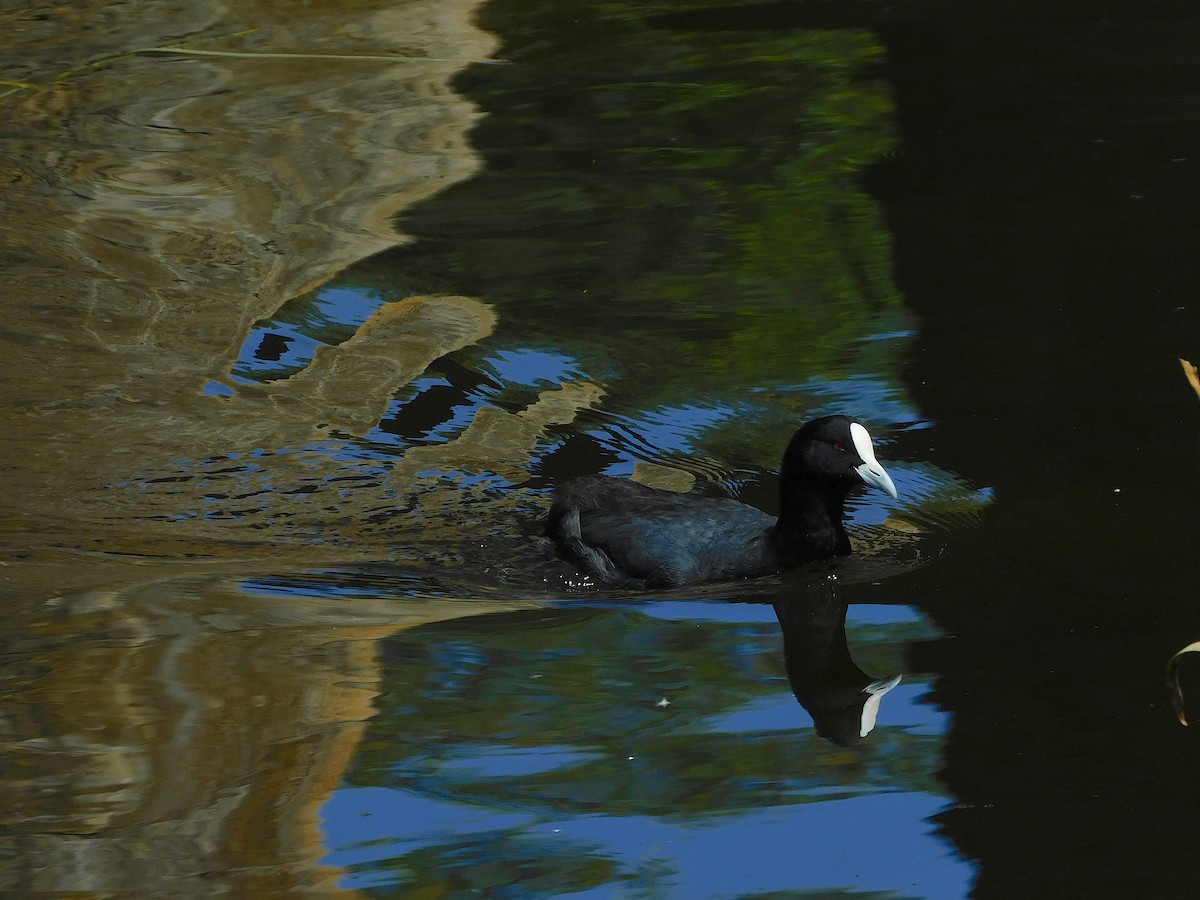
(631, 535)
(842, 699)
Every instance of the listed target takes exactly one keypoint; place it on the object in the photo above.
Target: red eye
(839, 448)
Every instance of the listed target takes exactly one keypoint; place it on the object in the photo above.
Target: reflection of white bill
(871, 708)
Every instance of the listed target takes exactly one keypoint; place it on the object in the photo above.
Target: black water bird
(630, 535)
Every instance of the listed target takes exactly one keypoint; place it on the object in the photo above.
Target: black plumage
(631, 535)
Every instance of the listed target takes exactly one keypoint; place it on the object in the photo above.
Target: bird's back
(632, 535)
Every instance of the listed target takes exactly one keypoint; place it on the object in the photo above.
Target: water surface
(297, 349)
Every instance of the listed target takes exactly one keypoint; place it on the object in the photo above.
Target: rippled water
(639, 748)
(298, 347)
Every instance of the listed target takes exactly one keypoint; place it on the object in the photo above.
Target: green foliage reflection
(680, 210)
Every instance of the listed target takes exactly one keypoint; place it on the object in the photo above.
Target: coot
(630, 535)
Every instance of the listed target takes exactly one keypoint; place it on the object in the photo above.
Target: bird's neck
(810, 522)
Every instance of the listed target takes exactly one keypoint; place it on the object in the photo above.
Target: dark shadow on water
(1043, 213)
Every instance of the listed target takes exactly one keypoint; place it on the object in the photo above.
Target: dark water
(974, 228)
(1053, 175)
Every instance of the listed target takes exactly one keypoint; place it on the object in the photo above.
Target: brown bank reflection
(186, 729)
(165, 730)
